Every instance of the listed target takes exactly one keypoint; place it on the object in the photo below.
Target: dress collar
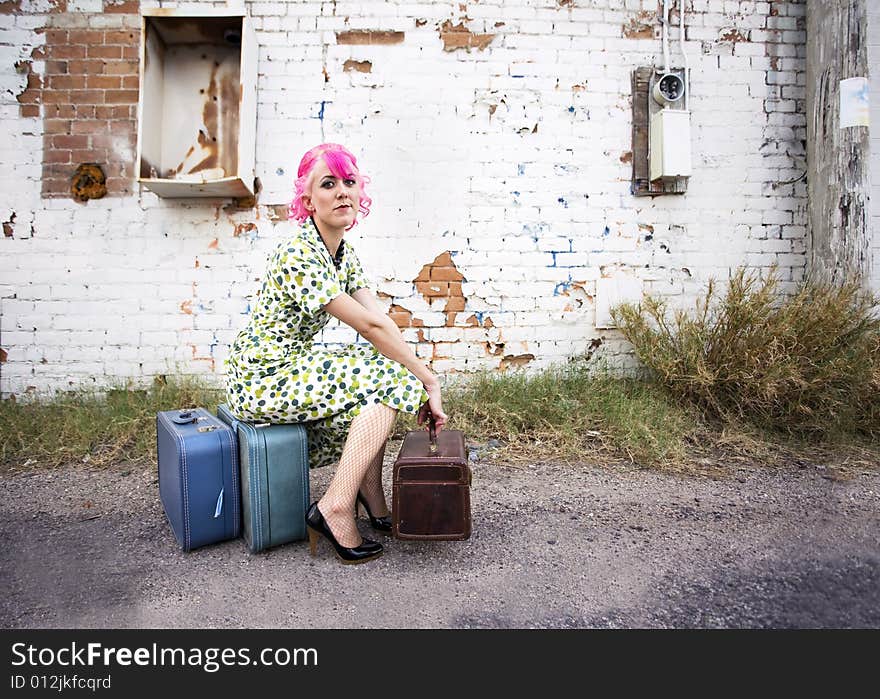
(336, 260)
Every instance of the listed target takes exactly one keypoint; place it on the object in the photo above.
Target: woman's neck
(332, 238)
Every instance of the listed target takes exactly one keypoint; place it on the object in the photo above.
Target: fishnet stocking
(371, 487)
(366, 438)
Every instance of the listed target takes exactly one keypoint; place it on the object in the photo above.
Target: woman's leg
(366, 437)
(371, 487)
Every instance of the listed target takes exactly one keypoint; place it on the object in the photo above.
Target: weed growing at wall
(807, 364)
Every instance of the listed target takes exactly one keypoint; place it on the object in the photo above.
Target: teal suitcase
(274, 463)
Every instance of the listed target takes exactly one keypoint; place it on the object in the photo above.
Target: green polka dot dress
(277, 372)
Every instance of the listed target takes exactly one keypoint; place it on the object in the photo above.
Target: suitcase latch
(208, 428)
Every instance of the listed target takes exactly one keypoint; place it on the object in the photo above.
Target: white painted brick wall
(512, 158)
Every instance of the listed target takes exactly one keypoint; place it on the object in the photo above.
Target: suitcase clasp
(208, 428)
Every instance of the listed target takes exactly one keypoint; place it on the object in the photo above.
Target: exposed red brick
(518, 360)
(472, 321)
(458, 36)
(359, 66)
(67, 51)
(11, 7)
(127, 7)
(3, 355)
(56, 67)
(87, 37)
(29, 110)
(79, 97)
(121, 96)
(487, 323)
(101, 82)
(81, 66)
(243, 228)
(101, 51)
(369, 37)
(68, 141)
(401, 316)
(640, 27)
(126, 38)
(120, 68)
(8, 233)
(65, 82)
(33, 91)
(444, 259)
(186, 306)
(55, 156)
(421, 22)
(445, 274)
(455, 303)
(733, 36)
(626, 157)
(87, 127)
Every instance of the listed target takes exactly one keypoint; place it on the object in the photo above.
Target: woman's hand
(434, 407)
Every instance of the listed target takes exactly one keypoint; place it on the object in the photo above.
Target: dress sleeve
(355, 278)
(305, 278)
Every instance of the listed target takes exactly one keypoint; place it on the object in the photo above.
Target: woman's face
(332, 201)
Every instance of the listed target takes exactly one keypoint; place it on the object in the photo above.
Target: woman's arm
(362, 312)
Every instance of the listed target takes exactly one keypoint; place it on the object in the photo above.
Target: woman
(349, 397)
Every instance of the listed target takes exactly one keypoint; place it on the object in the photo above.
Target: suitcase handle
(184, 417)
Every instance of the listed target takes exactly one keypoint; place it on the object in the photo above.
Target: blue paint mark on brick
(561, 287)
(607, 231)
(321, 111)
(562, 201)
(520, 169)
(247, 310)
(554, 260)
(571, 110)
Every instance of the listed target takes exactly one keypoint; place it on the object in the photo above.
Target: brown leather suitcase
(431, 499)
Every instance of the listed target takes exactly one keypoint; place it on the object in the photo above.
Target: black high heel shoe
(316, 524)
(380, 524)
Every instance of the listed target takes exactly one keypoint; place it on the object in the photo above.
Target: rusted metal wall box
(197, 113)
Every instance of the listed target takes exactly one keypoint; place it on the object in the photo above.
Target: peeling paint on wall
(243, 228)
(455, 37)
(515, 360)
(367, 37)
(640, 27)
(359, 66)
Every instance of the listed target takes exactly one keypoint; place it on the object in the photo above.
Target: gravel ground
(554, 546)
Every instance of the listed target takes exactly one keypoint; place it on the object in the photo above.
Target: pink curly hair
(341, 163)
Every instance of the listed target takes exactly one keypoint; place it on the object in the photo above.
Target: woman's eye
(350, 182)
(327, 184)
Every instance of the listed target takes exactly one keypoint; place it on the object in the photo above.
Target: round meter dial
(669, 88)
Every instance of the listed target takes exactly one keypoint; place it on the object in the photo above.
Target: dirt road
(554, 546)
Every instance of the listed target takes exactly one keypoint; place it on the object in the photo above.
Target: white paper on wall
(853, 102)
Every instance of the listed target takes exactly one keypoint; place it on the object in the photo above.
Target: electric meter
(669, 88)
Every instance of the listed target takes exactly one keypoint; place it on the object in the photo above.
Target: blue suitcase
(274, 480)
(198, 477)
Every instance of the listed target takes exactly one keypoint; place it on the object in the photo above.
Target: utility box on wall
(197, 113)
(669, 144)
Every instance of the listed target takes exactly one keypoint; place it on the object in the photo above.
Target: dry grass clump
(806, 365)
